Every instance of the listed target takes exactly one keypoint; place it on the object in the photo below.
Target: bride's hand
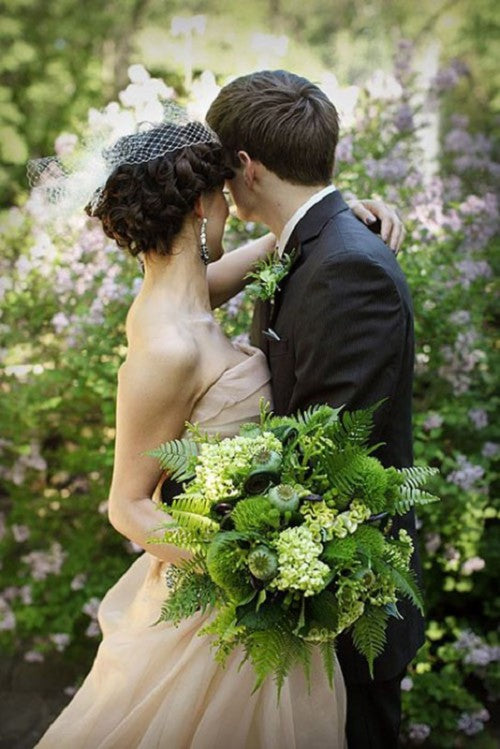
(392, 230)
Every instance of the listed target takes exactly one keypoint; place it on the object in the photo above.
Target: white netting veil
(72, 182)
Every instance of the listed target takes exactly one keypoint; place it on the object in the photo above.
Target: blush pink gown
(158, 686)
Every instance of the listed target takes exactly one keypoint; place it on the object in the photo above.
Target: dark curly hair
(143, 206)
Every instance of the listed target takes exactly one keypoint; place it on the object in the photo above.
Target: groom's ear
(248, 167)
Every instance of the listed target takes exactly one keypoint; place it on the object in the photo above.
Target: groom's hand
(375, 214)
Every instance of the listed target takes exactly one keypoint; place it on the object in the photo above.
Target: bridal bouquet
(288, 525)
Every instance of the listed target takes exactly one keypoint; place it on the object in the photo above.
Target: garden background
(417, 88)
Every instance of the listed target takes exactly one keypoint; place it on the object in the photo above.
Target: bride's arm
(156, 394)
(226, 277)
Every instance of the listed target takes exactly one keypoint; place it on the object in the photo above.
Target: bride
(157, 685)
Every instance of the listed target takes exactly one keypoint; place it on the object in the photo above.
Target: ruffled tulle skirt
(159, 687)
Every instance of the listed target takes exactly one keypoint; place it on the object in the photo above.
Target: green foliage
(225, 563)
(368, 634)
(191, 513)
(275, 653)
(404, 580)
(340, 550)
(254, 514)
(370, 540)
(193, 592)
(178, 457)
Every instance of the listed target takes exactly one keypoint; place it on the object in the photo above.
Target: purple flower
(78, 582)
(44, 563)
(418, 732)
(474, 564)
(457, 141)
(403, 61)
(460, 317)
(407, 684)
(471, 270)
(469, 724)
(433, 421)
(478, 656)
(391, 169)
(91, 608)
(60, 321)
(61, 640)
(466, 475)
(403, 119)
(344, 150)
(21, 533)
(93, 630)
(33, 656)
(479, 417)
(7, 616)
(451, 554)
(490, 450)
(432, 542)
(467, 639)
(445, 79)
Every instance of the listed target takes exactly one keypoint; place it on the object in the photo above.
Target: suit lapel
(307, 229)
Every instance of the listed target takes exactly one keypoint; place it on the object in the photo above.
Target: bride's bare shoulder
(162, 360)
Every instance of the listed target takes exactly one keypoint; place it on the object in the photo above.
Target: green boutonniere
(268, 273)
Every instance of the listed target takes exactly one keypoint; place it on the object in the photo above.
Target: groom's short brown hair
(282, 120)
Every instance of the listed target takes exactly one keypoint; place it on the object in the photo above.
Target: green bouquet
(288, 525)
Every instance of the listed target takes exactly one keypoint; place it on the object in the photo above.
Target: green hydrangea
(221, 465)
(383, 592)
(317, 516)
(298, 563)
(399, 554)
(348, 521)
(348, 594)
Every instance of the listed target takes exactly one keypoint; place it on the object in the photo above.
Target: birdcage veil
(72, 182)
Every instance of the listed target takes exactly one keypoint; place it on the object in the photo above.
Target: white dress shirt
(300, 213)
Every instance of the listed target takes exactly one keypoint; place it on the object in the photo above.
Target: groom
(339, 330)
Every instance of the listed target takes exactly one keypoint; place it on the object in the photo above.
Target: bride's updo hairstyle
(145, 201)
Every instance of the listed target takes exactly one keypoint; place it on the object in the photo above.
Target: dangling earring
(203, 241)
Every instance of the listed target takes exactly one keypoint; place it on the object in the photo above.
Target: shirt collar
(299, 214)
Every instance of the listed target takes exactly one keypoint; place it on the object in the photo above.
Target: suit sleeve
(348, 337)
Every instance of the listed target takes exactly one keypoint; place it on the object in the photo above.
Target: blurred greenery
(60, 57)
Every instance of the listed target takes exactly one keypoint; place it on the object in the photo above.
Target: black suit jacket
(345, 322)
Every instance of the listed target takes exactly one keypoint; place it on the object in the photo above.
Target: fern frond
(193, 522)
(192, 593)
(323, 610)
(411, 497)
(404, 581)
(369, 634)
(415, 476)
(183, 538)
(319, 415)
(275, 652)
(327, 649)
(178, 457)
(355, 427)
(227, 633)
(193, 503)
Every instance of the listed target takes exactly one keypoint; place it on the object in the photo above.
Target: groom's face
(241, 195)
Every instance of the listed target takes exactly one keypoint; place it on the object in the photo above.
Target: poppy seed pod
(284, 497)
(265, 471)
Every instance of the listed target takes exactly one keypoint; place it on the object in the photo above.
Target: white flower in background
(383, 86)
(203, 92)
(138, 74)
(65, 144)
(344, 98)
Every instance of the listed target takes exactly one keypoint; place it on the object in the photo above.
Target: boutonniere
(268, 274)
